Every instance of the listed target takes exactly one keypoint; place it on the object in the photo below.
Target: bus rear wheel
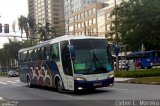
(149, 67)
(29, 82)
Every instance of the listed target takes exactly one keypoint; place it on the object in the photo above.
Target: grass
(148, 80)
(138, 73)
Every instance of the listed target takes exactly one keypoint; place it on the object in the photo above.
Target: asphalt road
(13, 89)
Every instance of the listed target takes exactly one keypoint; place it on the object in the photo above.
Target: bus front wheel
(59, 86)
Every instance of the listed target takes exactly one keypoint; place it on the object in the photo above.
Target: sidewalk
(119, 79)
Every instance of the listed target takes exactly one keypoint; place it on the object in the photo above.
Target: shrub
(138, 73)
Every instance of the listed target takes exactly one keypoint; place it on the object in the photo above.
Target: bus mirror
(72, 51)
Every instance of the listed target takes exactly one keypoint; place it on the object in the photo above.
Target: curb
(153, 83)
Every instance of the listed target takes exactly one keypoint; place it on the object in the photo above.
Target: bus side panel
(43, 72)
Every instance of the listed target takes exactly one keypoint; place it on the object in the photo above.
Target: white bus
(68, 63)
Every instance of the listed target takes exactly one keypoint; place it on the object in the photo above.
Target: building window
(86, 13)
(94, 20)
(90, 22)
(75, 17)
(82, 15)
(90, 12)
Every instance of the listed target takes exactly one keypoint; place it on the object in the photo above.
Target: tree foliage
(45, 31)
(27, 25)
(9, 52)
(138, 21)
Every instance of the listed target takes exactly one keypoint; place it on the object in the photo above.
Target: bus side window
(38, 54)
(55, 51)
(43, 53)
(24, 57)
(33, 55)
(47, 52)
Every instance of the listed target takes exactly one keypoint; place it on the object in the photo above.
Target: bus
(146, 59)
(68, 63)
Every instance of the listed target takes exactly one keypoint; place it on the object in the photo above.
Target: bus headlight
(111, 74)
(79, 78)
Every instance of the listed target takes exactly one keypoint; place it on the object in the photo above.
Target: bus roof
(142, 52)
(58, 39)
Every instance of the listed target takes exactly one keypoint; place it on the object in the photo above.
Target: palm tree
(28, 43)
(45, 32)
(23, 25)
(32, 24)
(27, 25)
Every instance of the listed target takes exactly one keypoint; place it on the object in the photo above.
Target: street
(13, 89)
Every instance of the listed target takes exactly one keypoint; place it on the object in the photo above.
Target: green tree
(45, 32)
(138, 22)
(4, 61)
(9, 52)
(31, 24)
(28, 43)
(26, 24)
(23, 25)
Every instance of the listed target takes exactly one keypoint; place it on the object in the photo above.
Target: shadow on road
(82, 92)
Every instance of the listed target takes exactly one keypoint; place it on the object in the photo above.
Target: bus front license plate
(97, 84)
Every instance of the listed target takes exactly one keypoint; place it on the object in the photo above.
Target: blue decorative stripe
(92, 84)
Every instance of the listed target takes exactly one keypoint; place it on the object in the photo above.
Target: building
(84, 21)
(31, 8)
(51, 11)
(104, 19)
(72, 6)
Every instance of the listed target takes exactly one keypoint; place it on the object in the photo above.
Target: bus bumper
(82, 85)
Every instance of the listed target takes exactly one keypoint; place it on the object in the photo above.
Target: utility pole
(85, 28)
(68, 26)
(116, 37)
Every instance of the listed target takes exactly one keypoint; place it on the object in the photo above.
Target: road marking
(3, 83)
(118, 89)
(12, 82)
(17, 80)
(1, 98)
(16, 85)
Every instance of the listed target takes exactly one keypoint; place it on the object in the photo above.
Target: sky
(10, 10)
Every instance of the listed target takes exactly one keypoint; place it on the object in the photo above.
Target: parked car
(12, 73)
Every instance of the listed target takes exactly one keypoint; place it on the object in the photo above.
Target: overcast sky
(10, 10)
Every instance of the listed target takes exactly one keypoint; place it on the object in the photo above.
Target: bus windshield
(92, 56)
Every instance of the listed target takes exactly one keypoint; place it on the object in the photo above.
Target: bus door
(67, 66)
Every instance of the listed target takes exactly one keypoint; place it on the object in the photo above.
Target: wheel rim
(59, 86)
(29, 82)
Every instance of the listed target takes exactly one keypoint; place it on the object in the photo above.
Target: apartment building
(72, 6)
(104, 20)
(31, 8)
(51, 11)
(84, 21)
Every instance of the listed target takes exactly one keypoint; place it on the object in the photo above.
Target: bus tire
(59, 85)
(29, 82)
(149, 67)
